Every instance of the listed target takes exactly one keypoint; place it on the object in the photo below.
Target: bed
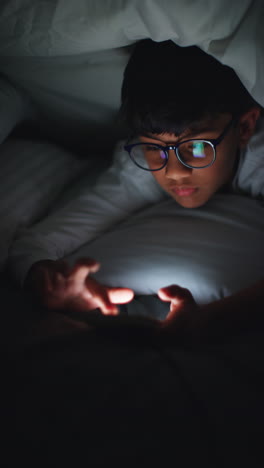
(79, 392)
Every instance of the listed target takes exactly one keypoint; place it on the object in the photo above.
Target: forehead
(203, 127)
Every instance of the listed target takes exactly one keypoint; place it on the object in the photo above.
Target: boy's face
(194, 187)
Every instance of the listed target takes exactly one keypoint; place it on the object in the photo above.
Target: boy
(189, 118)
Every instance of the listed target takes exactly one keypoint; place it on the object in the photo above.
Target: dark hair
(168, 88)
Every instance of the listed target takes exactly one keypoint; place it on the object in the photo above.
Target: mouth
(184, 191)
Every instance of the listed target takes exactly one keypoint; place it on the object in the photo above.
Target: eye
(154, 154)
(152, 148)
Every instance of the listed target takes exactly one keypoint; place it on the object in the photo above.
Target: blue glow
(198, 150)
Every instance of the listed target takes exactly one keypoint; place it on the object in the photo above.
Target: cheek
(225, 164)
(216, 176)
(221, 172)
(159, 177)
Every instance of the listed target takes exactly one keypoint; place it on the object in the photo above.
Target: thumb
(181, 300)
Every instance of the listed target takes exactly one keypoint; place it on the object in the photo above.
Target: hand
(179, 320)
(58, 286)
(182, 308)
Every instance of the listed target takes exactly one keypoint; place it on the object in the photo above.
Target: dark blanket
(99, 397)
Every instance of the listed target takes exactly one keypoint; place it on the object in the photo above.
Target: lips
(184, 191)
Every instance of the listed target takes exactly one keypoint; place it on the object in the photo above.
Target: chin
(189, 203)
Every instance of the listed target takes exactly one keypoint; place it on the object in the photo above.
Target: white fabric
(250, 174)
(70, 56)
(33, 173)
(62, 27)
(76, 97)
(213, 251)
(66, 55)
(123, 189)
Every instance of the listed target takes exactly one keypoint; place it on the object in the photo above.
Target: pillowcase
(214, 250)
(33, 175)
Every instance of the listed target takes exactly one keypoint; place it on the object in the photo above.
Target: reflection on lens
(198, 150)
(197, 153)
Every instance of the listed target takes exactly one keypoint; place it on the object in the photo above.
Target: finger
(176, 295)
(105, 305)
(99, 295)
(90, 263)
(120, 295)
(180, 300)
(47, 281)
(58, 281)
(175, 292)
(80, 273)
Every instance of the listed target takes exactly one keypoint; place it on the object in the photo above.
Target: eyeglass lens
(196, 154)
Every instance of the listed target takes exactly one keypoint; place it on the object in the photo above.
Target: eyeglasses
(194, 153)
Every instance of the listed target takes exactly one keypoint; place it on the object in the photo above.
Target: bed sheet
(69, 57)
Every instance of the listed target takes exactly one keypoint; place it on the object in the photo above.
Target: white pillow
(33, 174)
(214, 250)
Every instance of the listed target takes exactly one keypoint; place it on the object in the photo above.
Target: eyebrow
(192, 133)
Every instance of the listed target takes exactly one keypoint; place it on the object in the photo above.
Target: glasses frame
(213, 142)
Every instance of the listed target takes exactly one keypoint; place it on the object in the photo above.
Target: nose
(174, 169)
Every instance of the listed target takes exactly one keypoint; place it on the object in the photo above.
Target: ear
(247, 124)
